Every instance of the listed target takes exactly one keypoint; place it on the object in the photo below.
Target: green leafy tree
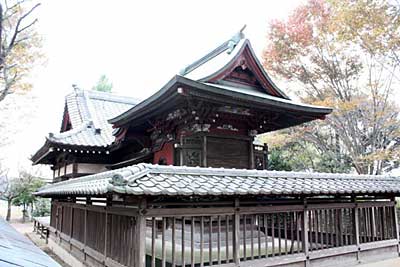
(277, 161)
(103, 84)
(313, 48)
(42, 207)
(27, 184)
(288, 153)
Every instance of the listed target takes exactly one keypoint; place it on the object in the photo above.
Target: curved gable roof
(220, 62)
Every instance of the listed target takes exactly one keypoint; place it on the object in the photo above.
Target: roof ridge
(106, 96)
(227, 45)
(154, 168)
(112, 97)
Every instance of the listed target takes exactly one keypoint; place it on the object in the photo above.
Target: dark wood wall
(228, 153)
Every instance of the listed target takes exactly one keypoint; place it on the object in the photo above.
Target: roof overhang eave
(272, 102)
(42, 152)
(127, 116)
(138, 110)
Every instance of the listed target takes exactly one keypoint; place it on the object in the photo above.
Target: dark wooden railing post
(305, 234)
(140, 235)
(396, 222)
(236, 234)
(356, 223)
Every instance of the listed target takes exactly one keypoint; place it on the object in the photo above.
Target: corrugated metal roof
(148, 179)
(88, 112)
(17, 250)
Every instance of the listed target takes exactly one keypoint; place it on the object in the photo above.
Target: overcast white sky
(139, 45)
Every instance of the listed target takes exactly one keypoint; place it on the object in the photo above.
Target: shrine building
(178, 180)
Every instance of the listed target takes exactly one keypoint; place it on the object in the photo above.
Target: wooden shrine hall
(177, 180)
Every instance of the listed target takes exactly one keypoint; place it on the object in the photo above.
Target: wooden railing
(223, 236)
(222, 239)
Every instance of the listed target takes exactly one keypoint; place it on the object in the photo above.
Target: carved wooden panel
(227, 153)
(192, 157)
(191, 151)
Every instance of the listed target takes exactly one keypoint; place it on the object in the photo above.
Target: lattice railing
(221, 236)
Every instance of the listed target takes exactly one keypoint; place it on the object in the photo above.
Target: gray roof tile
(147, 179)
(18, 250)
(89, 110)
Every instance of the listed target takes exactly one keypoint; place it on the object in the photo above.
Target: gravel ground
(385, 263)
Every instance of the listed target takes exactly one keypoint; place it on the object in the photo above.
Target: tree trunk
(8, 217)
(24, 213)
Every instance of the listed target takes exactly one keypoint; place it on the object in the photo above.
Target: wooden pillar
(396, 226)
(251, 150)
(305, 234)
(236, 234)
(204, 152)
(107, 224)
(140, 236)
(265, 156)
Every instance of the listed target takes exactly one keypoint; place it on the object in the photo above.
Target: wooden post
(236, 234)
(140, 235)
(251, 149)
(204, 152)
(396, 222)
(85, 231)
(305, 234)
(105, 233)
(356, 223)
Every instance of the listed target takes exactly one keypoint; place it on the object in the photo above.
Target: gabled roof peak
(228, 47)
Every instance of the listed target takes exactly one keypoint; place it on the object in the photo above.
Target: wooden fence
(266, 235)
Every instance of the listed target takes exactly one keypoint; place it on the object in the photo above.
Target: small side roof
(18, 250)
(157, 180)
(87, 112)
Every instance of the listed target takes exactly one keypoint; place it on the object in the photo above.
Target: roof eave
(41, 153)
(177, 79)
(271, 102)
(126, 116)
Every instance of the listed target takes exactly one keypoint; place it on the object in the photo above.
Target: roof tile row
(147, 179)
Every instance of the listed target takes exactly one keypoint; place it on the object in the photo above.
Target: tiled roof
(88, 112)
(17, 250)
(147, 179)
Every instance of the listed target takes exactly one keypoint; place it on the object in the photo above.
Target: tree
(19, 45)
(312, 49)
(277, 161)
(375, 25)
(8, 190)
(28, 183)
(19, 190)
(291, 153)
(103, 85)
